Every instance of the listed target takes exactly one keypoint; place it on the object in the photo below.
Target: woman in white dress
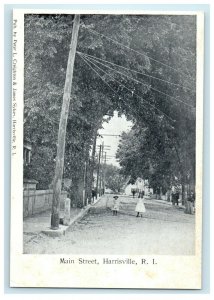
(140, 207)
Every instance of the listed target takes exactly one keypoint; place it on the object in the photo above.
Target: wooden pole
(57, 182)
(91, 176)
(98, 170)
(104, 174)
(101, 171)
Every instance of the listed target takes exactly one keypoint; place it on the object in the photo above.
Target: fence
(37, 201)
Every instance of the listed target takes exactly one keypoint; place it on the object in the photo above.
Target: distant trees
(114, 180)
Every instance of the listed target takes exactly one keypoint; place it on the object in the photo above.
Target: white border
(172, 271)
(98, 295)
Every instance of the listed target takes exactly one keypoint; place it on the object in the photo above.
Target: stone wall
(37, 201)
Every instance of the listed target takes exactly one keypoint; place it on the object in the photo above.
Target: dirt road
(163, 230)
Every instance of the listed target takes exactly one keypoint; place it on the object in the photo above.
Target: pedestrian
(93, 194)
(140, 207)
(133, 192)
(190, 203)
(116, 204)
(141, 194)
(177, 198)
(173, 198)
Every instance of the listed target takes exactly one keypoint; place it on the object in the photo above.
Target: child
(115, 205)
(140, 207)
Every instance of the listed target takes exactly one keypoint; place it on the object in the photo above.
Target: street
(163, 230)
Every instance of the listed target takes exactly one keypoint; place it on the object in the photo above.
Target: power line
(140, 53)
(85, 60)
(130, 91)
(137, 72)
(96, 72)
(110, 134)
(143, 83)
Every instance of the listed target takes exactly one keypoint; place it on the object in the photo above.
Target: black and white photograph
(111, 124)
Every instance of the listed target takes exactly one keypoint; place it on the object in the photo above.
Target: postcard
(107, 139)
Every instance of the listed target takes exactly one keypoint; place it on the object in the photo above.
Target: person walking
(116, 204)
(141, 194)
(177, 198)
(93, 194)
(190, 203)
(133, 192)
(140, 207)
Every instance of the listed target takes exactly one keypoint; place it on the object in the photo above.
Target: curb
(83, 213)
(63, 228)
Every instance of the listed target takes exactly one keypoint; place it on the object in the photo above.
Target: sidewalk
(34, 225)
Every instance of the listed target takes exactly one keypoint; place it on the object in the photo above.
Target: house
(139, 185)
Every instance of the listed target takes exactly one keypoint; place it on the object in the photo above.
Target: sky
(115, 126)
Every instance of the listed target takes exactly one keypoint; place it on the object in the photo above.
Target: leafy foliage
(161, 145)
(114, 180)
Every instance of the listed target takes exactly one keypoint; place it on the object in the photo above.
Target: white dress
(116, 205)
(140, 207)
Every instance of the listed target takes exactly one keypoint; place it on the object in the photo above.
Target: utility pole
(98, 170)
(57, 182)
(101, 171)
(104, 174)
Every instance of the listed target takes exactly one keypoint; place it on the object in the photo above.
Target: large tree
(164, 48)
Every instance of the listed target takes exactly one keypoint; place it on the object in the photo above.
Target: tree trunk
(183, 194)
(84, 194)
(86, 176)
(62, 126)
(77, 191)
